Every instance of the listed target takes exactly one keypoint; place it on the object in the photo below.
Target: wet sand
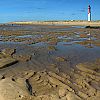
(48, 62)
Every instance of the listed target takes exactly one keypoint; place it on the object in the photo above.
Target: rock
(5, 62)
(60, 59)
(21, 82)
(84, 68)
(29, 74)
(22, 57)
(1, 76)
(52, 48)
(53, 68)
(96, 97)
(54, 97)
(1, 55)
(91, 76)
(37, 77)
(59, 83)
(10, 90)
(80, 82)
(61, 79)
(24, 84)
(40, 84)
(72, 96)
(8, 51)
(91, 91)
(57, 76)
(62, 92)
(83, 95)
(63, 98)
(46, 97)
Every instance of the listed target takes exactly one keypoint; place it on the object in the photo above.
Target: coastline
(76, 23)
(49, 62)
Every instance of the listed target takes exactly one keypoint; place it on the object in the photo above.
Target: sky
(40, 10)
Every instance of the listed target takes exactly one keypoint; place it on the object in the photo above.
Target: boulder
(72, 96)
(59, 83)
(62, 92)
(23, 58)
(1, 76)
(85, 68)
(8, 51)
(1, 55)
(5, 62)
(10, 90)
(47, 97)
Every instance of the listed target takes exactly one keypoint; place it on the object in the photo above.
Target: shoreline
(49, 62)
(76, 23)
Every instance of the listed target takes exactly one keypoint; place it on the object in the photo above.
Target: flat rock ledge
(5, 62)
(43, 85)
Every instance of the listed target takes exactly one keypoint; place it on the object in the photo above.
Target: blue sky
(26, 10)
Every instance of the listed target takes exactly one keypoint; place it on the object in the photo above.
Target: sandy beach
(76, 23)
(49, 61)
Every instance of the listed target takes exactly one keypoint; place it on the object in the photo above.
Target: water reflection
(76, 46)
(87, 40)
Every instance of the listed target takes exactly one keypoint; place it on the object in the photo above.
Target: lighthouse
(89, 13)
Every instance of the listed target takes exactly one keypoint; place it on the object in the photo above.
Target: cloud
(40, 8)
(73, 14)
(83, 10)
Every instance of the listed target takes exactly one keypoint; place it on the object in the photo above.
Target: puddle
(76, 37)
(40, 44)
(77, 52)
(79, 26)
(29, 36)
(7, 42)
(61, 30)
(24, 36)
(16, 27)
(77, 47)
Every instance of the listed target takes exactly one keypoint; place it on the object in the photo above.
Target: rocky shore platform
(39, 63)
(81, 83)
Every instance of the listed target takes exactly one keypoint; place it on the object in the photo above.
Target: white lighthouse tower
(89, 13)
